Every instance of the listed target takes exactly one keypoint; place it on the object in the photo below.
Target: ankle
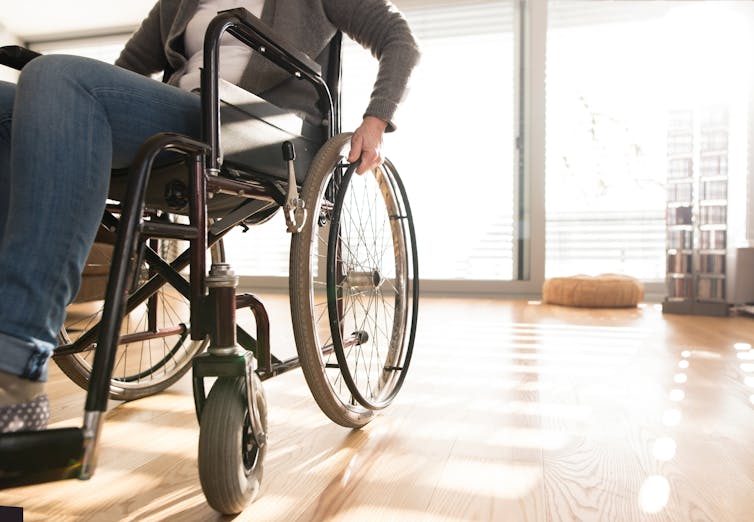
(14, 389)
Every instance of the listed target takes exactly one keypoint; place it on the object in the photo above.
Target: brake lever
(294, 209)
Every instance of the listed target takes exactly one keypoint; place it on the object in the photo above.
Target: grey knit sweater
(308, 24)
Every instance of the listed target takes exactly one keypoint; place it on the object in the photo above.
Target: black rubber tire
(229, 482)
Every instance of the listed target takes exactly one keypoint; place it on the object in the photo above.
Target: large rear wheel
(354, 288)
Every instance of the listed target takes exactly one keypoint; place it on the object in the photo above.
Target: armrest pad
(276, 40)
(16, 57)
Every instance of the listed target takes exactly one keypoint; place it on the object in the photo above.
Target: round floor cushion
(602, 291)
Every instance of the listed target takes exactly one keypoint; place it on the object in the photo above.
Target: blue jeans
(67, 123)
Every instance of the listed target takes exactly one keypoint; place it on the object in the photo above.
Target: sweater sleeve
(143, 52)
(378, 26)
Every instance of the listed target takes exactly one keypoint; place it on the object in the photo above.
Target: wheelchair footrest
(31, 457)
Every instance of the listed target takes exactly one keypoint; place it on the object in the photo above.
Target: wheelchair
(353, 279)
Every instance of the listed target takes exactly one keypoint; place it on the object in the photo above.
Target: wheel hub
(370, 280)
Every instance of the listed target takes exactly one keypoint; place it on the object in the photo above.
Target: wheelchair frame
(71, 452)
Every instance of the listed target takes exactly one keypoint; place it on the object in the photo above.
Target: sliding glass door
(455, 144)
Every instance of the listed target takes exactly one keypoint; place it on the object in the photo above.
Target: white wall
(6, 38)
(750, 178)
(35, 20)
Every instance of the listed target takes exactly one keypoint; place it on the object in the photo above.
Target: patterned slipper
(31, 415)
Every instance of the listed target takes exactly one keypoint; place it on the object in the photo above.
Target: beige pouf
(602, 291)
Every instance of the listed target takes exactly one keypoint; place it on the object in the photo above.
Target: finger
(356, 147)
(369, 160)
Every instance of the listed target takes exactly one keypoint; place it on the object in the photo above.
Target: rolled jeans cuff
(27, 359)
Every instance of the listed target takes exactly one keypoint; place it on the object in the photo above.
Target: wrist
(376, 122)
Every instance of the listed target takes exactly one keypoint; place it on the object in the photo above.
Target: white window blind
(454, 143)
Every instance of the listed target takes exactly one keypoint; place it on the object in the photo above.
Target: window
(616, 72)
(455, 142)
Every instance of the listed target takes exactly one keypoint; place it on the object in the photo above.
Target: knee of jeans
(51, 71)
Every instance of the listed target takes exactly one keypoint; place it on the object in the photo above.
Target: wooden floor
(512, 411)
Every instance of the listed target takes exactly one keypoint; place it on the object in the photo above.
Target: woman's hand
(367, 143)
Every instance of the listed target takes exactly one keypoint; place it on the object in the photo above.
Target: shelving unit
(713, 206)
(680, 210)
(697, 212)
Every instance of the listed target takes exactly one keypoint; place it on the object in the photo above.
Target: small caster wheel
(230, 461)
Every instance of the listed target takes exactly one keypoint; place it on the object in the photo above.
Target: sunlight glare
(671, 417)
(498, 479)
(703, 70)
(654, 494)
(664, 449)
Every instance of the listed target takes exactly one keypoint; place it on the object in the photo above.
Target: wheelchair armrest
(276, 47)
(254, 33)
(16, 57)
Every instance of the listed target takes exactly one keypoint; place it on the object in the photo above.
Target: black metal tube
(209, 88)
(262, 319)
(123, 259)
(153, 333)
(198, 220)
(152, 302)
(334, 73)
(168, 230)
(223, 303)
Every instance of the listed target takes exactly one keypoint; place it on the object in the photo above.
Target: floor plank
(512, 411)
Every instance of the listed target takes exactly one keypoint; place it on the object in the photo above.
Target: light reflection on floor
(745, 352)
(656, 489)
(654, 494)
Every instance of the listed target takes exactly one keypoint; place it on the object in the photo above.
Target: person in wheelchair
(70, 121)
